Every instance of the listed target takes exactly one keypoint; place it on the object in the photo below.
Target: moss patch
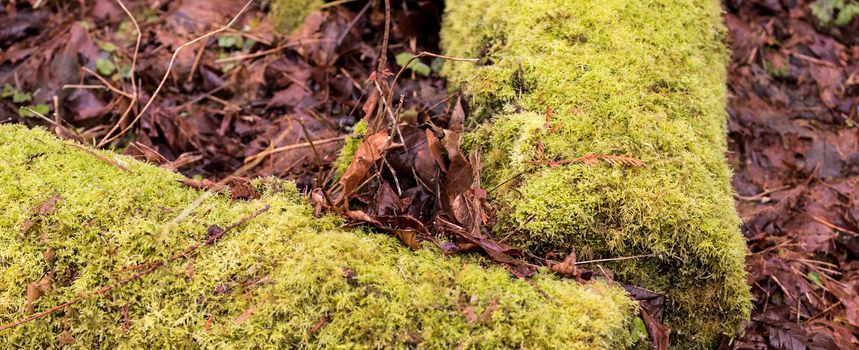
(283, 280)
(639, 78)
(350, 146)
(288, 15)
(834, 12)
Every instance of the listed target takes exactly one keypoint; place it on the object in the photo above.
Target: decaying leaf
(242, 188)
(658, 333)
(568, 266)
(204, 184)
(371, 149)
(244, 316)
(36, 290)
(46, 208)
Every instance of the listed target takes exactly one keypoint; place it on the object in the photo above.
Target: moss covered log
(282, 280)
(644, 79)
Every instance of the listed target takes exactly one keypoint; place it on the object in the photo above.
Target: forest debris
(657, 332)
(103, 159)
(36, 290)
(319, 324)
(568, 266)
(204, 184)
(242, 188)
(591, 159)
(46, 208)
(369, 152)
(244, 316)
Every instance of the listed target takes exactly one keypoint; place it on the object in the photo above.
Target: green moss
(288, 15)
(266, 284)
(350, 146)
(777, 72)
(639, 78)
(834, 12)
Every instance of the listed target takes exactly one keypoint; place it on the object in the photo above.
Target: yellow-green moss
(285, 271)
(350, 146)
(288, 15)
(639, 78)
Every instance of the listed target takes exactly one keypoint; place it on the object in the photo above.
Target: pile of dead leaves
(794, 86)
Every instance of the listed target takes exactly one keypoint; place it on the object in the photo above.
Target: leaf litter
(794, 150)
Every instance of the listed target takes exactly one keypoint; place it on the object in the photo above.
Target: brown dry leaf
(203, 184)
(369, 151)
(786, 335)
(46, 208)
(487, 314)
(457, 118)
(849, 297)
(363, 217)
(568, 266)
(470, 314)
(653, 302)
(414, 337)
(369, 106)
(829, 82)
(66, 338)
(244, 316)
(436, 149)
(461, 211)
(499, 252)
(36, 290)
(387, 201)
(658, 333)
(242, 188)
(408, 237)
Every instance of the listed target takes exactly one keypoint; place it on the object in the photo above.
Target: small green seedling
(27, 111)
(415, 66)
(17, 96)
(105, 66)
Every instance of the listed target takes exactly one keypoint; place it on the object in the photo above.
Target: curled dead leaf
(568, 266)
(36, 290)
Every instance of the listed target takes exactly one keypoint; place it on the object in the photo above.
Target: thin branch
(315, 153)
(618, 259)
(383, 57)
(97, 156)
(106, 83)
(424, 54)
(295, 146)
(134, 91)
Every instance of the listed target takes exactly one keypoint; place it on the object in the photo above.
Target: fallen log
(570, 95)
(112, 253)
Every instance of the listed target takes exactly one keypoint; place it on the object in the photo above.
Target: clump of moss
(282, 280)
(644, 79)
(288, 15)
(834, 12)
(350, 146)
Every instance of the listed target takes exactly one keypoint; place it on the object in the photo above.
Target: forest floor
(794, 89)
(793, 82)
